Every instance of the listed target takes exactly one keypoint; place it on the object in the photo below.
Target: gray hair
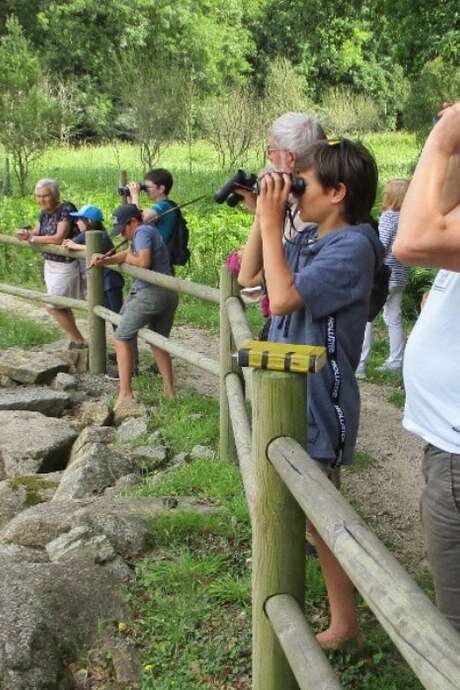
(50, 184)
(296, 132)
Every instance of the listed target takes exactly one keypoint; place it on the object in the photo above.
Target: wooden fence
(283, 486)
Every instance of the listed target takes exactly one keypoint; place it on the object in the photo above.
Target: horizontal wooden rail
(171, 346)
(205, 292)
(37, 296)
(242, 435)
(238, 321)
(427, 641)
(40, 248)
(306, 658)
(241, 332)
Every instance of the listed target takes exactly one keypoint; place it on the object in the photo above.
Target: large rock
(94, 413)
(22, 492)
(37, 399)
(47, 610)
(30, 442)
(125, 521)
(131, 429)
(31, 366)
(93, 469)
(92, 434)
(12, 553)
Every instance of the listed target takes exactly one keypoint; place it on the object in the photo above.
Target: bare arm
(271, 208)
(143, 259)
(99, 261)
(429, 227)
(62, 230)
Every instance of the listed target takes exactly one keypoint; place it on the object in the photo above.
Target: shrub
(342, 111)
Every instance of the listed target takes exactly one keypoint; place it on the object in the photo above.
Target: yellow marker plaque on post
(298, 359)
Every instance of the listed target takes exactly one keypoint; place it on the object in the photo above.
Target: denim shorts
(153, 307)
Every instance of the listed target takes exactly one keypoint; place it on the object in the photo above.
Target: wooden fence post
(123, 181)
(228, 288)
(95, 297)
(278, 527)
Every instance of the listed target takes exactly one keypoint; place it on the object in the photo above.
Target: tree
(155, 103)
(29, 115)
(232, 124)
(437, 82)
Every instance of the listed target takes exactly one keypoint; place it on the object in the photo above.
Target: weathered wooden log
(278, 529)
(240, 332)
(41, 248)
(242, 435)
(95, 296)
(427, 641)
(306, 658)
(171, 346)
(228, 287)
(37, 296)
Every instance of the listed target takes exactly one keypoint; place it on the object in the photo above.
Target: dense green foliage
(154, 71)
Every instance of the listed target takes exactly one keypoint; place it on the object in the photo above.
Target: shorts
(62, 279)
(152, 307)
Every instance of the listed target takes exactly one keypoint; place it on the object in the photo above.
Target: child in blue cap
(91, 218)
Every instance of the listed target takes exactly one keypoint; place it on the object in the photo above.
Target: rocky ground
(77, 513)
(387, 492)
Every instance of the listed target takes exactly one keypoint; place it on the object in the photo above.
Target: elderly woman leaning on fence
(61, 273)
(319, 283)
(147, 304)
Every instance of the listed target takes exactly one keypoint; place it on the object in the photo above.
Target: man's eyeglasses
(272, 149)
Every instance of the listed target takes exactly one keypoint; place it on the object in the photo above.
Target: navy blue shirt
(334, 276)
(112, 279)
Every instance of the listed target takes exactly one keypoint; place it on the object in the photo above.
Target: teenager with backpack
(163, 213)
(61, 273)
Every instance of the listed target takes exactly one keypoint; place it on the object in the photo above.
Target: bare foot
(169, 394)
(332, 639)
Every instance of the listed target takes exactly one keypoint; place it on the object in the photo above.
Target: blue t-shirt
(112, 279)
(167, 223)
(148, 237)
(334, 276)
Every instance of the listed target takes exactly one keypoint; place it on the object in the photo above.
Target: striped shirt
(388, 226)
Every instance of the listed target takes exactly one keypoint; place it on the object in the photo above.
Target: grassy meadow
(191, 595)
(90, 175)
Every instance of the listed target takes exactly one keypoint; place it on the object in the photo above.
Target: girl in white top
(393, 196)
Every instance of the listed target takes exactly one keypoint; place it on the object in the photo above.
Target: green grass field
(90, 175)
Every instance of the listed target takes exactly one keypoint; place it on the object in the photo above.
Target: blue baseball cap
(122, 215)
(89, 212)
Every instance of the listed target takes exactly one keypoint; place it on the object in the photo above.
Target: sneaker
(361, 372)
(393, 368)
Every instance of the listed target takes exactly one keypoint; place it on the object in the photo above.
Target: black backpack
(379, 292)
(380, 288)
(179, 253)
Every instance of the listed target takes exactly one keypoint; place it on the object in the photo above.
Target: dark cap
(122, 215)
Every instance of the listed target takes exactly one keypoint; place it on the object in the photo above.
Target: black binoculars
(125, 190)
(229, 191)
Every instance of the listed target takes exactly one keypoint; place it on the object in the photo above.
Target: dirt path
(386, 493)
